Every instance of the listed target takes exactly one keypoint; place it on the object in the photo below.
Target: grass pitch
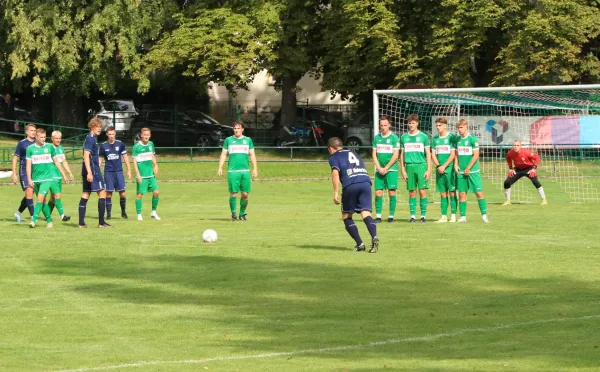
(284, 291)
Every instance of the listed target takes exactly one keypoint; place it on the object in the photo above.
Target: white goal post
(560, 123)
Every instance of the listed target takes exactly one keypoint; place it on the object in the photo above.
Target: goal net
(560, 123)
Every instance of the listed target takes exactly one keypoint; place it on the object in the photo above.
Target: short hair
(441, 120)
(461, 122)
(95, 122)
(517, 140)
(384, 117)
(110, 129)
(335, 143)
(40, 131)
(145, 129)
(237, 122)
(413, 117)
(56, 133)
(30, 125)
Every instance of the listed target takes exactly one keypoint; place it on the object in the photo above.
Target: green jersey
(443, 147)
(385, 147)
(413, 146)
(143, 155)
(464, 150)
(239, 150)
(60, 155)
(43, 168)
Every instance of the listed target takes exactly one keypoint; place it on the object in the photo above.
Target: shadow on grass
(320, 246)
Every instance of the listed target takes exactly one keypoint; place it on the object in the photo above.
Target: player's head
(413, 122)
(384, 125)
(440, 124)
(145, 134)
(40, 136)
(56, 137)
(238, 128)
(95, 126)
(516, 146)
(111, 134)
(30, 131)
(462, 127)
(334, 144)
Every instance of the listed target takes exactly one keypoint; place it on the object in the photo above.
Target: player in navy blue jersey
(349, 169)
(92, 176)
(20, 152)
(112, 151)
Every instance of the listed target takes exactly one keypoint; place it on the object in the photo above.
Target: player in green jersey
(146, 170)
(386, 148)
(415, 159)
(240, 148)
(62, 159)
(442, 155)
(466, 165)
(42, 165)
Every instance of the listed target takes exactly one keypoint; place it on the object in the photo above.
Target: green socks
(379, 204)
(412, 205)
(59, 206)
(392, 205)
(154, 202)
(482, 206)
(36, 211)
(453, 200)
(462, 206)
(243, 205)
(423, 206)
(138, 206)
(444, 202)
(232, 204)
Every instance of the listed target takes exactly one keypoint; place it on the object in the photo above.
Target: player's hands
(427, 175)
(14, 178)
(129, 175)
(219, 172)
(467, 172)
(511, 173)
(139, 178)
(441, 169)
(382, 171)
(66, 179)
(404, 176)
(336, 199)
(89, 177)
(156, 170)
(532, 173)
(71, 176)
(457, 170)
(254, 173)
(30, 181)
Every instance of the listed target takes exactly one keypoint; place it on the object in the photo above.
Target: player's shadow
(215, 219)
(320, 246)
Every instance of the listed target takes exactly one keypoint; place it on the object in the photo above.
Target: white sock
(392, 216)
(507, 194)
(378, 216)
(542, 193)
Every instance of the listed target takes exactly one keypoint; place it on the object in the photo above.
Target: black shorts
(96, 185)
(357, 197)
(114, 181)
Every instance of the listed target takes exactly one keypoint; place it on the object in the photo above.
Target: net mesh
(562, 126)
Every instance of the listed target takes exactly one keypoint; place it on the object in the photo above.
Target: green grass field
(284, 291)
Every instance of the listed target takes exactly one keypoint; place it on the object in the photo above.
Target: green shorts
(388, 181)
(58, 182)
(147, 185)
(238, 181)
(415, 176)
(45, 187)
(472, 182)
(445, 182)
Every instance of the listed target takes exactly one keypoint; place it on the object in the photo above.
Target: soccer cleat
(84, 227)
(49, 225)
(485, 219)
(390, 219)
(65, 218)
(462, 219)
(506, 203)
(105, 226)
(412, 220)
(443, 219)
(18, 217)
(32, 224)
(453, 218)
(423, 219)
(360, 248)
(155, 215)
(243, 217)
(234, 218)
(544, 202)
(124, 215)
(374, 245)
(140, 217)
(378, 220)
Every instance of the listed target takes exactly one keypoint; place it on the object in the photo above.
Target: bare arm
(65, 165)
(28, 170)
(472, 162)
(403, 165)
(126, 161)
(393, 160)
(14, 169)
(222, 159)
(428, 156)
(155, 164)
(60, 169)
(375, 160)
(254, 166)
(137, 171)
(335, 180)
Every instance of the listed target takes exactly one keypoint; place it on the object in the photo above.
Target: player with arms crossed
(20, 153)
(466, 164)
(349, 169)
(239, 148)
(415, 159)
(442, 155)
(386, 147)
(112, 151)
(522, 162)
(58, 178)
(146, 170)
(42, 165)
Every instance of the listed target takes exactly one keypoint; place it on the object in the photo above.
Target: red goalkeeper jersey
(524, 159)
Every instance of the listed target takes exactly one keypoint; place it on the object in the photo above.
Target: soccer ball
(209, 236)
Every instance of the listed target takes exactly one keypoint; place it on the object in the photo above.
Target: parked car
(182, 128)
(116, 113)
(328, 124)
(359, 132)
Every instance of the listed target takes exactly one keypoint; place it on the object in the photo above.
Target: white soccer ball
(209, 236)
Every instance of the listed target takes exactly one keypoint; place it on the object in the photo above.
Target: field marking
(330, 349)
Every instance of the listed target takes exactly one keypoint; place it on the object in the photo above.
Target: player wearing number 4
(349, 169)
(386, 146)
(522, 162)
(466, 165)
(442, 155)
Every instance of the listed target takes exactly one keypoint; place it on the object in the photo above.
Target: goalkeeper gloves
(511, 173)
(532, 173)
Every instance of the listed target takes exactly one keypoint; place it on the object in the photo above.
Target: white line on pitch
(330, 349)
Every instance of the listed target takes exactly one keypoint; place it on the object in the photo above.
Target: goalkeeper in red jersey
(522, 162)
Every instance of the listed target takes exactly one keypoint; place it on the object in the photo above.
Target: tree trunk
(67, 109)
(288, 101)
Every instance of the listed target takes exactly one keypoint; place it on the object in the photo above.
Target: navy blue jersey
(20, 152)
(351, 167)
(90, 145)
(111, 153)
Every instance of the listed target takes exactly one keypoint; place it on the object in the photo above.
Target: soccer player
(112, 151)
(522, 162)
(239, 148)
(386, 147)
(348, 168)
(92, 176)
(146, 170)
(442, 155)
(20, 153)
(466, 165)
(415, 159)
(41, 168)
(62, 160)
